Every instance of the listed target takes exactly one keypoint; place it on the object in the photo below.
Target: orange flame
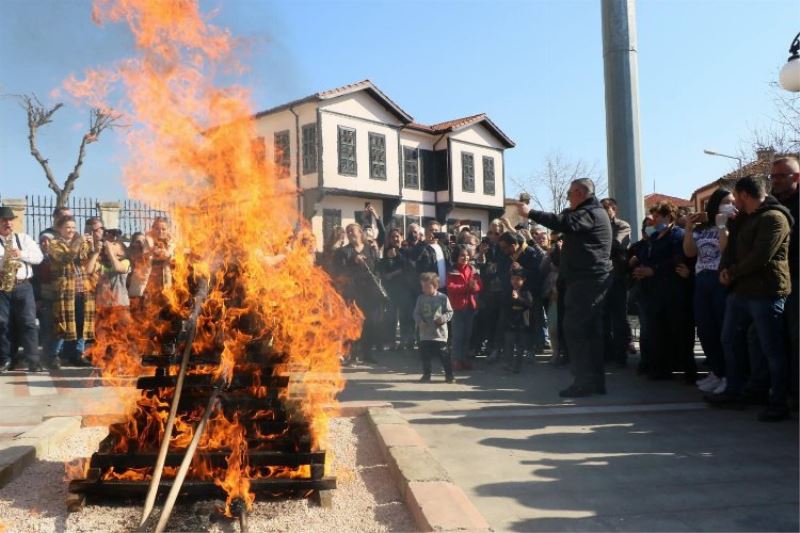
(233, 218)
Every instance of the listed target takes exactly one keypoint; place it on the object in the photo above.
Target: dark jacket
(620, 242)
(758, 260)
(516, 312)
(587, 239)
(419, 261)
(665, 288)
(791, 203)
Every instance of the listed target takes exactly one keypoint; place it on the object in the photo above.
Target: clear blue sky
(534, 66)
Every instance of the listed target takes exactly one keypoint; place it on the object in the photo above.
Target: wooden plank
(121, 461)
(117, 488)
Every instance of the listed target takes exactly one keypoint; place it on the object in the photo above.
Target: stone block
(414, 463)
(442, 506)
(49, 433)
(13, 460)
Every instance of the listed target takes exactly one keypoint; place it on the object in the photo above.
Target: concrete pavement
(648, 456)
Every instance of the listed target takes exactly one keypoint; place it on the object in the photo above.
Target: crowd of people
(564, 282)
(568, 282)
(75, 283)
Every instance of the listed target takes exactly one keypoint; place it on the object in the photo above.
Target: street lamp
(739, 159)
(790, 73)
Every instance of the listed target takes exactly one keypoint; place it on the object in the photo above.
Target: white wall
(330, 161)
(481, 215)
(307, 114)
(478, 197)
(348, 205)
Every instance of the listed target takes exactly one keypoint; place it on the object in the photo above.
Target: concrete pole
(622, 110)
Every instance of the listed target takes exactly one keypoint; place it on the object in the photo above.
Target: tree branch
(39, 115)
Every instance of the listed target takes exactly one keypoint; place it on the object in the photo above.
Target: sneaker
(710, 377)
(709, 385)
(721, 386)
(451, 379)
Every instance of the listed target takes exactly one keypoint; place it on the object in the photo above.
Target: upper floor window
(309, 148)
(467, 172)
(282, 156)
(377, 156)
(347, 151)
(410, 167)
(488, 175)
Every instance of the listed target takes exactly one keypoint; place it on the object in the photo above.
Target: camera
(111, 234)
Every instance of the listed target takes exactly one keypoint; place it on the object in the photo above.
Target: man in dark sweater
(784, 178)
(755, 266)
(585, 268)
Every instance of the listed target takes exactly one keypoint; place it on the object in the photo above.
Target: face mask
(727, 209)
(660, 227)
(649, 231)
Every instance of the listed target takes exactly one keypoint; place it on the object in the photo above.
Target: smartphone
(440, 235)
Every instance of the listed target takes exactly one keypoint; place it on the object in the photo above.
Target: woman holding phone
(705, 238)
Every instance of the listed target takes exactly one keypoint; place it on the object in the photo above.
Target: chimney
(766, 153)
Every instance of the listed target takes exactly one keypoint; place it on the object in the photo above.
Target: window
(467, 172)
(488, 175)
(377, 156)
(330, 219)
(347, 151)
(410, 167)
(282, 159)
(309, 148)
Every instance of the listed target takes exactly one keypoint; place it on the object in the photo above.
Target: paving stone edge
(435, 502)
(17, 453)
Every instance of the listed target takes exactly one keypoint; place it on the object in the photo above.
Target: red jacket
(458, 289)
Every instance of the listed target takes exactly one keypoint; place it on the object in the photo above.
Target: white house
(352, 145)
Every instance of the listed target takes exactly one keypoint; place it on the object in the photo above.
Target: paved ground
(649, 456)
(27, 399)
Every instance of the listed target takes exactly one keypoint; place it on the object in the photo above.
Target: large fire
(191, 145)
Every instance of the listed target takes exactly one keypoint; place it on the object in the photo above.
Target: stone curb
(435, 502)
(24, 449)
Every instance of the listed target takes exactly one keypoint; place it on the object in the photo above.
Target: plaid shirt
(71, 278)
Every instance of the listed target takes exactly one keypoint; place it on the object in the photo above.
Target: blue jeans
(766, 314)
(709, 314)
(72, 350)
(462, 329)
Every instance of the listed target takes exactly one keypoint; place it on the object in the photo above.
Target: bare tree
(782, 134)
(40, 115)
(550, 184)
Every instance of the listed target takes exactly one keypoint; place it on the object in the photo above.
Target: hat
(46, 235)
(7, 212)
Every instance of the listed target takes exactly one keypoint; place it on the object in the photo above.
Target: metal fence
(39, 212)
(134, 215)
(138, 216)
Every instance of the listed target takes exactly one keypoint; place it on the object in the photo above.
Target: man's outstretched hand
(523, 209)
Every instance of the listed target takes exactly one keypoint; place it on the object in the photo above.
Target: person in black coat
(585, 267)
(354, 266)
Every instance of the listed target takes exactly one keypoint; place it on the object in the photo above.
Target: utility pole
(622, 108)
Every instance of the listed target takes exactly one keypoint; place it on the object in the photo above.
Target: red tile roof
(653, 198)
(367, 85)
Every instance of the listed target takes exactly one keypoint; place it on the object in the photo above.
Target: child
(432, 313)
(517, 319)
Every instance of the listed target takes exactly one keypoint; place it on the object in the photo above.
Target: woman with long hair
(73, 262)
(705, 238)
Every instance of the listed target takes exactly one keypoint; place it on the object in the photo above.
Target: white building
(353, 145)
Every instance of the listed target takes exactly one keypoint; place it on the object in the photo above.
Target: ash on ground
(366, 498)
